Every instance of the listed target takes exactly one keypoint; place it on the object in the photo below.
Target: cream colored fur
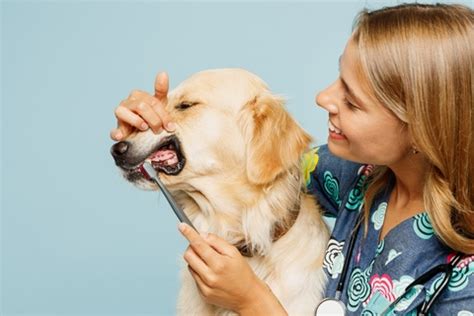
(242, 175)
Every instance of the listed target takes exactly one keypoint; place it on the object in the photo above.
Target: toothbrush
(150, 171)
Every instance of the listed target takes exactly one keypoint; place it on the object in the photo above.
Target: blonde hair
(418, 60)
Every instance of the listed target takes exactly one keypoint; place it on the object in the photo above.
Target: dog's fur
(241, 180)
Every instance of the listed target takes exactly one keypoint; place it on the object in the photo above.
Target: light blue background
(76, 239)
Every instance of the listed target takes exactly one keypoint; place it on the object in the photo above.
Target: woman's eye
(184, 105)
(350, 105)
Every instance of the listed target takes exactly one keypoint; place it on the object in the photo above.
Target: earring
(414, 150)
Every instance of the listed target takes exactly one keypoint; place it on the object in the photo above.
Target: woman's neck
(406, 198)
(409, 175)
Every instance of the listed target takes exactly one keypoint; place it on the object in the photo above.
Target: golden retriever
(233, 165)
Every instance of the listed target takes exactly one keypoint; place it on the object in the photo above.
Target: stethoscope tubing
(447, 268)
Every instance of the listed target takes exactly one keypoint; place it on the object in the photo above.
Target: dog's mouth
(167, 157)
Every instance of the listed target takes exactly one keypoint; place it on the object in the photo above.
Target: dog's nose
(119, 149)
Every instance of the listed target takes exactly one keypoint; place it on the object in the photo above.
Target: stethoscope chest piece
(330, 306)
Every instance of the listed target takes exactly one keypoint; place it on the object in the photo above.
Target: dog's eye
(184, 105)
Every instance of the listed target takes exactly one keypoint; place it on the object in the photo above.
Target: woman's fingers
(142, 96)
(125, 116)
(212, 249)
(146, 111)
(117, 135)
(138, 111)
(155, 114)
(161, 86)
(223, 276)
(161, 94)
(164, 116)
(203, 288)
(142, 110)
(221, 246)
(198, 244)
(199, 266)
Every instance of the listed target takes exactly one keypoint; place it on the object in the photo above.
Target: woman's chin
(342, 151)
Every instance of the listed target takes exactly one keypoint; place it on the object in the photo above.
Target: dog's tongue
(164, 157)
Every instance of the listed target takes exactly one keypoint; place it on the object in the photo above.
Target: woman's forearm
(263, 302)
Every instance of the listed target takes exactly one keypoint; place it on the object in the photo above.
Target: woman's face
(360, 128)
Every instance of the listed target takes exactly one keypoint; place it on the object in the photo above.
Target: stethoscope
(335, 306)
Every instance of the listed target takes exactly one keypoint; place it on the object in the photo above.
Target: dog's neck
(278, 231)
(250, 218)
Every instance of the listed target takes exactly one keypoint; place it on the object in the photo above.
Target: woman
(400, 142)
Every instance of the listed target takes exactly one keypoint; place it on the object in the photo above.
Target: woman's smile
(334, 132)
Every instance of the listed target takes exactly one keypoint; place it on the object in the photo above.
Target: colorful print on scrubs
(379, 271)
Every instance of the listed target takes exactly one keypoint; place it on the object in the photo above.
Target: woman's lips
(335, 132)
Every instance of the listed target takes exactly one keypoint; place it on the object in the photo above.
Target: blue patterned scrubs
(379, 271)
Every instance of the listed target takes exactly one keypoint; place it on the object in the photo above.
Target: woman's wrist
(262, 302)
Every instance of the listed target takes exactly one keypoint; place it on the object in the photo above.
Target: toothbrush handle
(176, 209)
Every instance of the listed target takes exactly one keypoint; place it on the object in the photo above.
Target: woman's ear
(274, 140)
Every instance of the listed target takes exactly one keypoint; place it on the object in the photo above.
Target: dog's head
(228, 125)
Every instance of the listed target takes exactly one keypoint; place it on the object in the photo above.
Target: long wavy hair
(418, 60)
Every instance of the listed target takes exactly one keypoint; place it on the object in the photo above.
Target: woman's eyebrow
(350, 92)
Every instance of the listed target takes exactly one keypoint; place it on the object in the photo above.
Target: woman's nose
(328, 98)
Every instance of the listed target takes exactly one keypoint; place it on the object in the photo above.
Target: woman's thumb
(161, 86)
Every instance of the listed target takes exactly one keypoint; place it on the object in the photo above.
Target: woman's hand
(142, 111)
(224, 277)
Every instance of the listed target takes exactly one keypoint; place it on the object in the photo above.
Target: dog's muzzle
(166, 157)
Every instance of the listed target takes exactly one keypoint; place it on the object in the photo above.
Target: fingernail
(144, 126)
(118, 135)
(170, 126)
(181, 227)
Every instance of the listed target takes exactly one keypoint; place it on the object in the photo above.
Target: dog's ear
(274, 140)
